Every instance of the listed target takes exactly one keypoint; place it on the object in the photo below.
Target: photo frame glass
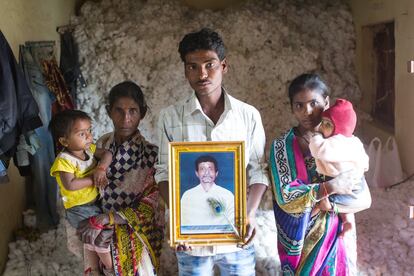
(207, 192)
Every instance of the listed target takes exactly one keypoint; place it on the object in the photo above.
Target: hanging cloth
(44, 189)
(69, 62)
(19, 112)
(56, 83)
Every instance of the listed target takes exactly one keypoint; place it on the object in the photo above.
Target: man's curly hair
(205, 39)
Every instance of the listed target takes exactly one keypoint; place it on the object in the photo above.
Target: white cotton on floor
(385, 243)
(48, 255)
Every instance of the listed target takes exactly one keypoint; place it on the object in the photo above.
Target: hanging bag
(374, 151)
(390, 170)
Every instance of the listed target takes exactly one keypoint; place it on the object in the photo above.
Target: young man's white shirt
(186, 121)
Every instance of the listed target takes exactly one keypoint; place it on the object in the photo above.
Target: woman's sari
(307, 245)
(133, 194)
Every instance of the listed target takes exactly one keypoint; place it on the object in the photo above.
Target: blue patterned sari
(306, 245)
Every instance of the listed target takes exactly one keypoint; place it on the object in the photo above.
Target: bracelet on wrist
(313, 193)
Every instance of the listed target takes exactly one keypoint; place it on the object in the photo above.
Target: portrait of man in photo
(207, 207)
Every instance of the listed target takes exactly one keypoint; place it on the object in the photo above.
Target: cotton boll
(46, 256)
(29, 218)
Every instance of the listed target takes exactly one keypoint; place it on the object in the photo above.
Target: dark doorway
(384, 48)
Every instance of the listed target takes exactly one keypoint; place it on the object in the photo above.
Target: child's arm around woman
(105, 158)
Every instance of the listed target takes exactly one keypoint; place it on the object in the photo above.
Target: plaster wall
(366, 13)
(21, 21)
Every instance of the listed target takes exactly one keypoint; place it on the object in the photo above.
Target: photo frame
(207, 198)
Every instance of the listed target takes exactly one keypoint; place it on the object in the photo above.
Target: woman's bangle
(311, 194)
(111, 218)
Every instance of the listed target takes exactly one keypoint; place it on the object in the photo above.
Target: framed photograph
(207, 192)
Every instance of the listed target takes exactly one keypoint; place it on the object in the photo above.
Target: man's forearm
(254, 197)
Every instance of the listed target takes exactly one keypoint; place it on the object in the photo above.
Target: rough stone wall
(268, 43)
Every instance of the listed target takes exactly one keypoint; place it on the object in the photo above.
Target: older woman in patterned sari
(311, 244)
(130, 200)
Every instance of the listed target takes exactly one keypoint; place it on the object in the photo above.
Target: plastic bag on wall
(384, 165)
(391, 169)
(374, 153)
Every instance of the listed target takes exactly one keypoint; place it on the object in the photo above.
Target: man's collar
(211, 187)
(193, 104)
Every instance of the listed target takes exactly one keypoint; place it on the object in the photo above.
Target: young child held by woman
(337, 150)
(78, 173)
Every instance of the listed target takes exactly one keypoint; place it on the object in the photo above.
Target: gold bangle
(312, 197)
(111, 218)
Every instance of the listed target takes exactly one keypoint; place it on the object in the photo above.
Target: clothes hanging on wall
(28, 144)
(57, 85)
(19, 112)
(69, 64)
(3, 172)
(45, 189)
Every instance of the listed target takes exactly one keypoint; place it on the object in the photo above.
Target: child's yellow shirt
(65, 162)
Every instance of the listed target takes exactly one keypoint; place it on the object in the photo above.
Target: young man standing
(211, 114)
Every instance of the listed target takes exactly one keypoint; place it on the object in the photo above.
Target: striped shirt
(186, 121)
